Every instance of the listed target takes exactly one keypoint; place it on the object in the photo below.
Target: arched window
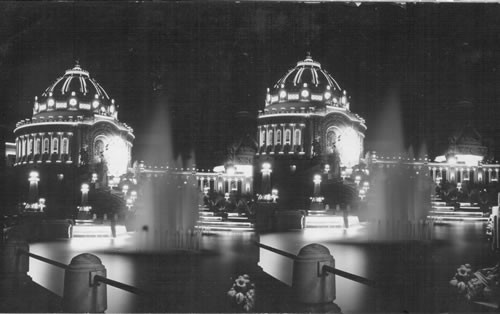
(270, 137)
(38, 143)
(278, 137)
(65, 145)
(296, 140)
(30, 146)
(55, 145)
(46, 145)
(287, 136)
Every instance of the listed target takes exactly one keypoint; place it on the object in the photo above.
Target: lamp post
(266, 178)
(33, 191)
(317, 185)
(85, 194)
(274, 195)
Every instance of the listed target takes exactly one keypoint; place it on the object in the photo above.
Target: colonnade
(29, 146)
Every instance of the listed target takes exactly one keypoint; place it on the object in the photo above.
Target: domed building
(74, 138)
(306, 128)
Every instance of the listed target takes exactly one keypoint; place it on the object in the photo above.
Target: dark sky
(212, 59)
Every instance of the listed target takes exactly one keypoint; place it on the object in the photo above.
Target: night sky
(205, 61)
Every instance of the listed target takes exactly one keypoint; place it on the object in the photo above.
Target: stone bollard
(15, 266)
(81, 294)
(310, 284)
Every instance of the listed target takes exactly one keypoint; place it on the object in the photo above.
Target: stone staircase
(322, 218)
(210, 222)
(95, 229)
(442, 212)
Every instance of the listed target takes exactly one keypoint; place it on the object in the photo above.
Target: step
(471, 208)
(454, 218)
(226, 223)
(439, 203)
(317, 212)
(457, 213)
(225, 228)
(443, 207)
(92, 231)
(329, 221)
(210, 218)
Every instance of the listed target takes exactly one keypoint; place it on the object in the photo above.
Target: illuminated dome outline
(75, 91)
(307, 82)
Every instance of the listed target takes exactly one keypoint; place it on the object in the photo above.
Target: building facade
(73, 138)
(306, 128)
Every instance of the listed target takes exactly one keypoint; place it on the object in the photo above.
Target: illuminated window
(65, 144)
(45, 145)
(296, 140)
(288, 136)
(55, 145)
(278, 137)
(23, 148)
(262, 138)
(37, 146)
(270, 137)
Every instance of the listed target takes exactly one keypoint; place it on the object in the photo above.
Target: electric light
(125, 189)
(95, 104)
(50, 102)
(41, 203)
(117, 156)
(33, 177)
(327, 168)
(230, 171)
(266, 168)
(362, 194)
(328, 95)
(282, 94)
(304, 93)
(317, 179)
(452, 160)
(94, 177)
(274, 195)
(357, 179)
(84, 188)
(72, 102)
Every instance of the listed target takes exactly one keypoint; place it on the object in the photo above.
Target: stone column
(59, 143)
(70, 137)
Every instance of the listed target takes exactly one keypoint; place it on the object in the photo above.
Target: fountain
(168, 213)
(399, 197)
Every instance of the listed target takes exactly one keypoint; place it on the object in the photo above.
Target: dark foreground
(411, 276)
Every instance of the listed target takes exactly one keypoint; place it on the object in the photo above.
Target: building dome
(74, 93)
(309, 83)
